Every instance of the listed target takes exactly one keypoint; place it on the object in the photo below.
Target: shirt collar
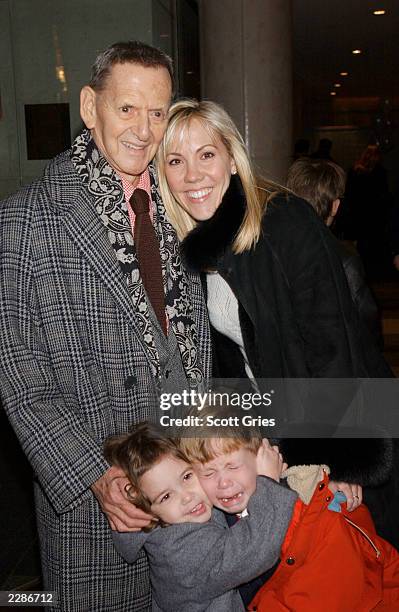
(144, 183)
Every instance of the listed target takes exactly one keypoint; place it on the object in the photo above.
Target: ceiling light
(356, 51)
(337, 84)
(379, 12)
(333, 93)
(343, 73)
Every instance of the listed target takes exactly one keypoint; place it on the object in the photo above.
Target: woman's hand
(352, 492)
(270, 461)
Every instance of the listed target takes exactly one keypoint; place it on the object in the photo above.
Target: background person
(322, 184)
(301, 148)
(367, 202)
(85, 345)
(323, 150)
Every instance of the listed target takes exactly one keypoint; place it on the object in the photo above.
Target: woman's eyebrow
(199, 149)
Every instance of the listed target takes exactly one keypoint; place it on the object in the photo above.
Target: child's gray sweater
(197, 567)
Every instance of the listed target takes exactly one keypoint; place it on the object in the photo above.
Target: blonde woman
(277, 295)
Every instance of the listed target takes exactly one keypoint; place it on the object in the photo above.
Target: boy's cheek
(209, 491)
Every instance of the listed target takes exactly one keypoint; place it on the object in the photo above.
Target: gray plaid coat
(74, 370)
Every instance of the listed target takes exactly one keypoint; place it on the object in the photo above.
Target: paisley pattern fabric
(106, 189)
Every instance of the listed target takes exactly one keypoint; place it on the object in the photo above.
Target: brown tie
(147, 249)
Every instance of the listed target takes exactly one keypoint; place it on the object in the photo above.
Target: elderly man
(97, 312)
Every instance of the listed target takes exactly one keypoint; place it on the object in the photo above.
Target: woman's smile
(199, 195)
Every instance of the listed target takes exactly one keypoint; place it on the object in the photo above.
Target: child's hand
(270, 461)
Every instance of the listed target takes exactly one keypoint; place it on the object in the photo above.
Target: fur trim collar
(303, 479)
(208, 241)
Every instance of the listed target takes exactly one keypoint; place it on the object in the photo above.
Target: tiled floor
(19, 559)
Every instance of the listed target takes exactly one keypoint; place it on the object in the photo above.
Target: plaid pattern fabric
(69, 342)
(74, 559)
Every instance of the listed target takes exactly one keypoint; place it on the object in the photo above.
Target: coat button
(328, 498)
(130, 382)
(167, 373)
(321, 486)
(290, 561)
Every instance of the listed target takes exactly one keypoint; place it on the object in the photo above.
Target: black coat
(360, 292)
(296, 313)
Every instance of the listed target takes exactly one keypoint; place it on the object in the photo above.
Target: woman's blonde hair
(219, 125)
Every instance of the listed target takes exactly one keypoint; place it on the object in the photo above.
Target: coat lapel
(86, 230)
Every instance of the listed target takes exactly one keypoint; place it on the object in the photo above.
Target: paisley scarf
(105, 187)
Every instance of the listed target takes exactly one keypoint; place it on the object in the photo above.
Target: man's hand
(112, 497)
(352, 492)
(270, 461)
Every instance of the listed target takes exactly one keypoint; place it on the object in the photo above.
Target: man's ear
(334, 207)
(88, 106)
(333, 212)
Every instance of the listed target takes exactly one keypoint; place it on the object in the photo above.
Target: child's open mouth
(198, 509)
(230, 501)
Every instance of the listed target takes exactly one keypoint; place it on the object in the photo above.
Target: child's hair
(137, 452)
(205, 442)
(319, 181)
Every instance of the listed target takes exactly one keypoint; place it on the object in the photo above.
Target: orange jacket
(332, 562)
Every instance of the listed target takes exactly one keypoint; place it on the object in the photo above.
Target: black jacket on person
(360, 292)
(296, 313)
